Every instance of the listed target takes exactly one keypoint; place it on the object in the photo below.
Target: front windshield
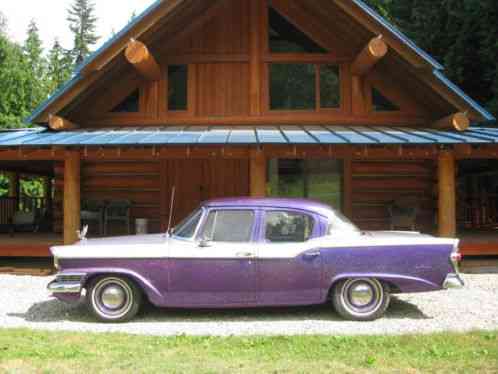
(339, 222)
(186, 229)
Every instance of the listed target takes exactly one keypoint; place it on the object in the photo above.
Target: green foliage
(83, 24)
(4, 185)
(60, 66)
(461, 34)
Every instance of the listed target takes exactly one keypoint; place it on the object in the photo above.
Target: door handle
(245, 254)
(312, 254)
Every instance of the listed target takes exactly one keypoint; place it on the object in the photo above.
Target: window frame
(315, 232)
(318, 109)
(208, 211)
(164, 89)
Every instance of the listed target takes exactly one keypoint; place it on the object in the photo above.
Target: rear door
(289, 264)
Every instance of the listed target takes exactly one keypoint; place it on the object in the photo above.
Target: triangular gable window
(284, 37)
(381, 103)
(129, 105)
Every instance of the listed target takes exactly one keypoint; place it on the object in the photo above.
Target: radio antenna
(171, 207)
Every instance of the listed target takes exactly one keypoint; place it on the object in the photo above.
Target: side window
(228, 226)
(186, 229)
(288, 227)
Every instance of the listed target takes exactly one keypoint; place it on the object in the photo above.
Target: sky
(50, 16)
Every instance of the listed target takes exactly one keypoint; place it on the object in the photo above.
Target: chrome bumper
(64, 287)
(453, 281)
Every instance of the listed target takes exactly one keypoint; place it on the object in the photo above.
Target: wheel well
(129, 278)
(392, 288)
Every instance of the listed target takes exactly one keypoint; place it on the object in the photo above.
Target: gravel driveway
(24, 302)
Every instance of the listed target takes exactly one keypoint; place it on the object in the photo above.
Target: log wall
(376, 184)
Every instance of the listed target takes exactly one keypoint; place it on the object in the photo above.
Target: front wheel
(363, 299)
(114, 299)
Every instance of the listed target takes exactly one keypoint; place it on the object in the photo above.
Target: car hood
(138, 246)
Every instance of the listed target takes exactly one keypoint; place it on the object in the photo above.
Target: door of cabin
(200, 180)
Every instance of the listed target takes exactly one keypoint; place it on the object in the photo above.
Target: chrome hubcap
(113, 297)
(361, 295)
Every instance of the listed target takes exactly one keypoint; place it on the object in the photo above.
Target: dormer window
(380, 103)
(130, 104)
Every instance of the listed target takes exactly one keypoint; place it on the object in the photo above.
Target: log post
(457, 121)
(257, 173)
(57, 123)
(72, 198)
(447, 195)
(144, 62)
(13, 184)
(373, 52)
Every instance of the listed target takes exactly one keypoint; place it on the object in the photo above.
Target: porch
(359, 169)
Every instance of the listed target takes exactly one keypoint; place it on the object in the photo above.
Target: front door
(289, 265)
(218, 268)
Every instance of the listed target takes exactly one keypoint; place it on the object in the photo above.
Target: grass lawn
(50, 352)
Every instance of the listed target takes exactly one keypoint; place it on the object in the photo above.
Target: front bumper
(56, 287)
(453, 281)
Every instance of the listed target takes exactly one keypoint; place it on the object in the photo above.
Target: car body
(245, 252)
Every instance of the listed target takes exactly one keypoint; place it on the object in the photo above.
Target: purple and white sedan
(237, 253)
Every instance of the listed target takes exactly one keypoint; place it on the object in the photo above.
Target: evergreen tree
(82, 23)
(59, 66)
(35, 67)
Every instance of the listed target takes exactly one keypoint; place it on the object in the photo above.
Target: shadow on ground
(56, 311)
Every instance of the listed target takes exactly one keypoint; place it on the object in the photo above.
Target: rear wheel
(114, 299)
(362, 299)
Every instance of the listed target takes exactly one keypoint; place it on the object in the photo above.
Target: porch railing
(10, 205)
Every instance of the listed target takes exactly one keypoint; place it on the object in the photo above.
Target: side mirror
(204, 243)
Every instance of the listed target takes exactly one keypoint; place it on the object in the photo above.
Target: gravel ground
(24, 303)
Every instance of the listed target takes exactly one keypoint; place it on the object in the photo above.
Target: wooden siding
(148, 185)
(376, 184)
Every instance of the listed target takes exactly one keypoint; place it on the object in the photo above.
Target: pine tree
(82, 23)
(59, 66)
(36, 67)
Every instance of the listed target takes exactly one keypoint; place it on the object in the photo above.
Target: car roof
(280, 203)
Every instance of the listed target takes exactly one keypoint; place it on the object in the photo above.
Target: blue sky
(50, 15)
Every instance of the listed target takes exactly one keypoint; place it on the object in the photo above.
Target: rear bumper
(453, 281)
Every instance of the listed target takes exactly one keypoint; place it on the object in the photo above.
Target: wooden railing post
(71, 197)
(258, 173)
(447, 194)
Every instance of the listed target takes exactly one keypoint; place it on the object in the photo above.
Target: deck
(28, 244)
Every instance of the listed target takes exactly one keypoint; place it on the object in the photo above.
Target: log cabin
(321, 99)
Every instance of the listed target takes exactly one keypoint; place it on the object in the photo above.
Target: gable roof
(161, 8)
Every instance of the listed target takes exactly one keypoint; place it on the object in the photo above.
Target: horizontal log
(393, 167)
(57, 123)
(389, 184)
(121, 182)
(457, 121)
(142, 60)
(129, 168)
(135, 197)
(373, 52)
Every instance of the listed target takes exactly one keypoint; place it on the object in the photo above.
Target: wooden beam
(373, 52)
(257, 173)
(57, 123)
(13, 184)
(458, 121)
(447, 195)
(72, 196)
(142, 60)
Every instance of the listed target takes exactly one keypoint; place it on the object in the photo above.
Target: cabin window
(284, 37)
(382, 104)
(177, 87)
(130, 104)
(315, 179)
(294, 87)
(288, 227)
(330, 86)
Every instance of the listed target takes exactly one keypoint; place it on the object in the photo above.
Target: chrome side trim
(453, 281)
(64, 287)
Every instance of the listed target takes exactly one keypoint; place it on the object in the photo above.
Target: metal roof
(284, 135)
(438, 68)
